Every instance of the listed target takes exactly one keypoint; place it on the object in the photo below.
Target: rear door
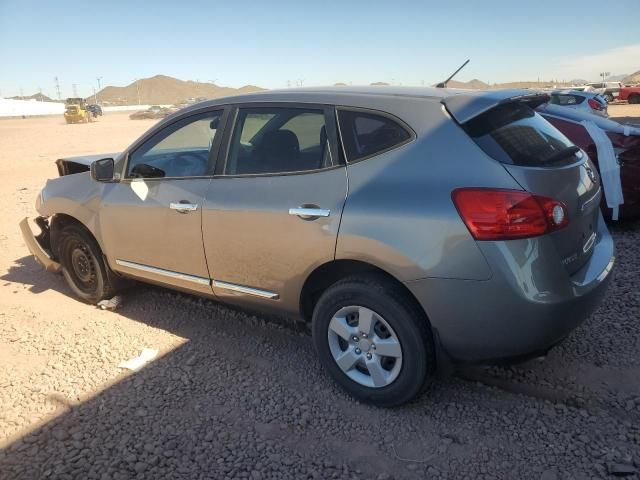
(272, 211)
(542, 161)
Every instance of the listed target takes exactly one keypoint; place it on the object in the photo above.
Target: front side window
(278, 140)
(180, 150)
(365, 134)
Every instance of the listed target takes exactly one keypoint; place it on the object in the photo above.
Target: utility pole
(604, 75)
(75, 89)
(21, 94)
(95, 97)
(137, 89)
(94, 90)
(57, 84)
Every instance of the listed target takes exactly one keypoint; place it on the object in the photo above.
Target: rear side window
(365, 134)
(566, 99)
(276, 140)
(513, 133)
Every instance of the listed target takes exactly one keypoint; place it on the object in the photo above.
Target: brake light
(498, 214)
(596, 105)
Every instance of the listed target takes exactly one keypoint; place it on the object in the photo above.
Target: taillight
(497, 214)
(596, 105)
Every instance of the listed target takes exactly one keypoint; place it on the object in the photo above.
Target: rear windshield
(513, 133)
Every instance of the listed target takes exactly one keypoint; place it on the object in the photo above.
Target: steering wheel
(188, 164)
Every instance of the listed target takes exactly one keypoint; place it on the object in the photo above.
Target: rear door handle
(309, 212)
(183, 206)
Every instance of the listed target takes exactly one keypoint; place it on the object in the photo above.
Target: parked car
(626, 145)
(586, 101)
(413, 228)
(630, 94)
(609, 90)
(95, 109)
(154, 111)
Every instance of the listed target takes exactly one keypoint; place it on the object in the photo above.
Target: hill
(165, 90)
(632, 79)
(474, 84)
(36, 96)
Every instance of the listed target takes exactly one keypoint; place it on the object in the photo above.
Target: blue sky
(320, 42)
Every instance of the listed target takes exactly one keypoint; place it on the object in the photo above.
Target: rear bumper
(529, 305)
(36, 248)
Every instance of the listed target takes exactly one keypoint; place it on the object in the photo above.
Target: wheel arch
(61, 220)
(329, 273)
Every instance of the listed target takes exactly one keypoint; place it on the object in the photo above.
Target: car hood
(464, 105)
(71, 165)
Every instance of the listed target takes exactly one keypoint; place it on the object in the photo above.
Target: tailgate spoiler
(466, 105)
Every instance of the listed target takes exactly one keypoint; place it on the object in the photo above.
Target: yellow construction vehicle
(75, 110)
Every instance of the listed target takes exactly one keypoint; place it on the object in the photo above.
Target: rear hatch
(544, 162)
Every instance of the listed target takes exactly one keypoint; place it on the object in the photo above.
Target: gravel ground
(238, 396)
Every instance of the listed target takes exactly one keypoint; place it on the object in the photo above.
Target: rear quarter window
(365, 134)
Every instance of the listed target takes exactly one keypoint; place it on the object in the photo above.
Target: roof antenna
(444, 84)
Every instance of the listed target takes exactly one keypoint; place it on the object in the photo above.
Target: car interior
(274, 148)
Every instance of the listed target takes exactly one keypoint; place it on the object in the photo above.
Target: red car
(631, 94)
(626, 144)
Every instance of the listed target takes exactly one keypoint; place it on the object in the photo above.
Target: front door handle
(183, 206)
(307, 213)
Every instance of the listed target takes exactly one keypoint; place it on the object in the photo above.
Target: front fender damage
(40, 245)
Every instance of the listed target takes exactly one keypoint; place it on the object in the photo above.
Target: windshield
(515, 134)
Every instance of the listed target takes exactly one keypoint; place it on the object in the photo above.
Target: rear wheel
(608, 97)
(83, 265)
(373, 340)
(634, 99)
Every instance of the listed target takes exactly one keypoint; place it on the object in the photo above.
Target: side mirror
(102, 170)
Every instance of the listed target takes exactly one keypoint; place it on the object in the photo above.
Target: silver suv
(412, 227)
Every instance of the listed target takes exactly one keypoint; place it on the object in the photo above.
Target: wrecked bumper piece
(39, 245)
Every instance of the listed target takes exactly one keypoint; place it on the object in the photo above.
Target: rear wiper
(559, 155)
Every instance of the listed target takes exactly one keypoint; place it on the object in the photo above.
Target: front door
(151, 220)
(272, 213)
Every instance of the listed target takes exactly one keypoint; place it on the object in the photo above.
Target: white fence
(18, 108)
(28, 108)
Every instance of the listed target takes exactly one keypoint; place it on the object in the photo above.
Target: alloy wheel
(364, 346)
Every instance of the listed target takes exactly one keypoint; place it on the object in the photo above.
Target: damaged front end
(40, 245)
(72, 165)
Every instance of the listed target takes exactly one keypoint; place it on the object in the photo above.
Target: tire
(396, 318)
(608, 97)
(634, 99)
(83, 265)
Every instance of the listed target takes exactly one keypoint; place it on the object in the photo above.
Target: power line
(94, 90)
(57, 84)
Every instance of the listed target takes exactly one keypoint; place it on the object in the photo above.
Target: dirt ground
(235, 396)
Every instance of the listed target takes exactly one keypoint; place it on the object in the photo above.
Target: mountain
(616, 78)
(379, 84)
(578, 81)
(165, 90)
(632, 79)
(474, 84)
(36, 96)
